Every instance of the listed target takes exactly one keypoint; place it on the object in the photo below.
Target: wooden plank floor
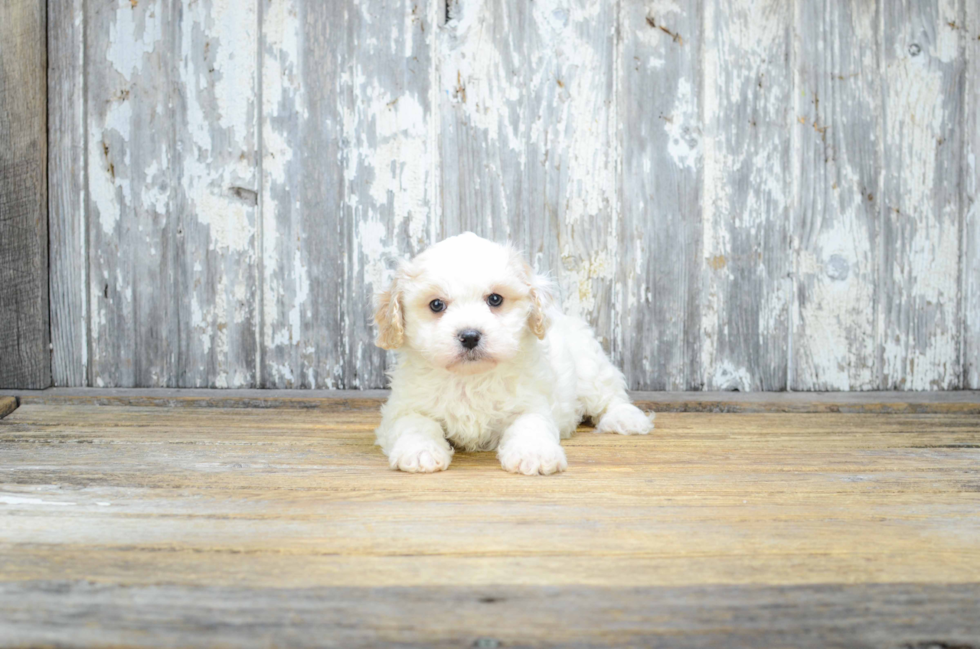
(157, 526)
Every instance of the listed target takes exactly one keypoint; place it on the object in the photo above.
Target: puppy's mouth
(472, 360)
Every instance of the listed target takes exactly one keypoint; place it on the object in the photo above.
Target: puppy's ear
(542, 299)
(388, 314)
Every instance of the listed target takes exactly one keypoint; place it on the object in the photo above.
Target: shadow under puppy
(487, 360)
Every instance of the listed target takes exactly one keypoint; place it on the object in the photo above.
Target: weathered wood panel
(390, 154)
(181, 526)
(919, 279)
(301, 235)
(730, 206)
(570, 155)
(836, 223)
(216, 190)
(659, 261)
(81, 614)
(25, 361)
(132, 188)
(747, 194)
(67, 164)
(970, 270)
(960, 402)
(483, 115)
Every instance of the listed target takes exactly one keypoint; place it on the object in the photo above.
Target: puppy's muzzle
(469, 338)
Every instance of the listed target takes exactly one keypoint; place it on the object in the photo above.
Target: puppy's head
(465, 304)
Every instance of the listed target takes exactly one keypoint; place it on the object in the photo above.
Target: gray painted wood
(919, 282)
(132, 188)
(68, 227)
(390, 155)
(570, 156)
(735, 195)
(87, 613)
(25, 361)
(660, 263)
(747, 197)
(215, 194)
(970, 272)
(301, 236)
(482, 84)
(835, 226)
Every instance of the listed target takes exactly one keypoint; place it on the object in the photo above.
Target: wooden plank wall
(750, 195)
(24, 332)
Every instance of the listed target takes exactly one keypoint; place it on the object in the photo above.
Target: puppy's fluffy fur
(527, 383)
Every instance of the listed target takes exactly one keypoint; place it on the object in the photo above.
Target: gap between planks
(951, 402)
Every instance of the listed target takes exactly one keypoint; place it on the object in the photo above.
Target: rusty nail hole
(915, 49)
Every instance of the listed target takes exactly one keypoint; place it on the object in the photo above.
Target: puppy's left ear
(388, 315)
(542, 299)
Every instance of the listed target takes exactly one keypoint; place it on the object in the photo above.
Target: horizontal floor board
(962, 402)
(920, 616)
(115, 520)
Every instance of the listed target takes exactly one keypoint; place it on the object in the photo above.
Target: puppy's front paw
(417, 454)
(532, 456)
(625, 419)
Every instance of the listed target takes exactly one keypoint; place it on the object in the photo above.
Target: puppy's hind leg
(602, 392)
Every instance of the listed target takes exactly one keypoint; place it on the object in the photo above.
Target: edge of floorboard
(952, 402)
(7, 405)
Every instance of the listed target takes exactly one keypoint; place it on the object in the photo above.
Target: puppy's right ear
(388, 314)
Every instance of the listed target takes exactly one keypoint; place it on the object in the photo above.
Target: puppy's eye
(495, 300)
(437, 305)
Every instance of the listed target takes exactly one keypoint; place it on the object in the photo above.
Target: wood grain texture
(970, 270)
(919, 277)
(7, 406)
(747, 194)
(390, 162)
(303, 240)
(132, 187)
(729, 206)
(128, 519)
(25, 361)
(957, 402)
(216, 190)
(571, 156)
(67, 198)
(483, 115)
(880, 615)
(659, 264)
(836, 230)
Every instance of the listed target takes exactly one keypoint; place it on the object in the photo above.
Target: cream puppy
(487, 361)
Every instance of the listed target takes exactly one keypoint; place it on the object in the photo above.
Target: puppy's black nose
(469, 338)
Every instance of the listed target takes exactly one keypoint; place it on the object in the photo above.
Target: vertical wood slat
(838, 166)
(68, 226)
(390, 205)
(571, 210)
(919, 319)
(301, 252)
(529, 141)
(348, 179)
(483, 113)
(970, 270)
(131, 188)
(216, 192)
(747, 194)
(25, 361)
(660, 260)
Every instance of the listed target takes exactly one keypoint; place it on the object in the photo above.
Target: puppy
(487, 361)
